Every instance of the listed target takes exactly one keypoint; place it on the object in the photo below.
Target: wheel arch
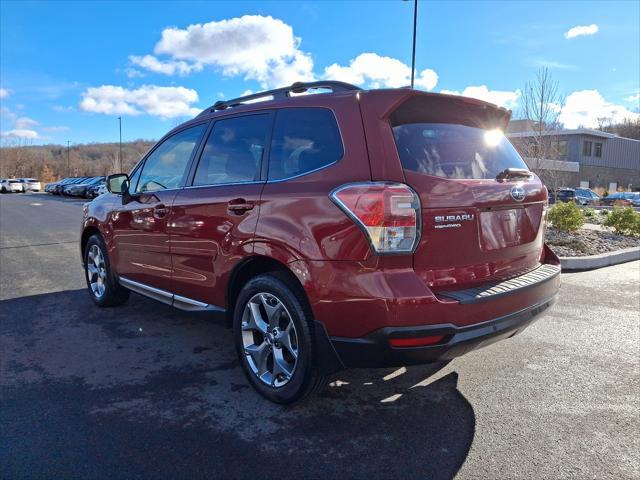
(252, 267)
(87, 232)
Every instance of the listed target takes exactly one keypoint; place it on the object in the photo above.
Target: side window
(304, 139)
(586, 149)
(598, 149)
(133, 179)
(234, 150)
(164, 168)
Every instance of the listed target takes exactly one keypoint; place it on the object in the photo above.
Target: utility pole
(120, 154)
(413, 54)
(68, 164)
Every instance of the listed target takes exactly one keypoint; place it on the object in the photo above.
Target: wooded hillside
(49, 162)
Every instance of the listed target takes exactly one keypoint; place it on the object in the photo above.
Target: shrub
(566, 216)
(624, 221)
(589, 212)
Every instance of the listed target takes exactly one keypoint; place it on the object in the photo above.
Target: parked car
(49, 186)
(59, 188)
(582, 196)
(10, 185)
(30, 184)
(345, 229)
(79, 189)
(96, 190)
(586, 196)
(53, 187)
(622, 199)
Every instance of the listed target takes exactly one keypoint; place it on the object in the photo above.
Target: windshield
(455, 151)
(566, 194)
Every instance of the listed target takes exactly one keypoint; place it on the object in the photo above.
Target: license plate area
(508, 227)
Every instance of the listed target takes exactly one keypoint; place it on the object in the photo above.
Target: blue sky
(69, 69)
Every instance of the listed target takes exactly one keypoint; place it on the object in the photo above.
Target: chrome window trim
(306, 173)
(213, 185)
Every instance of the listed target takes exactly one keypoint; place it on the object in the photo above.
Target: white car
(30, 184)
(10, 185)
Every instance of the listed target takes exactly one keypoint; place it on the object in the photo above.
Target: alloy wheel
(269, 339)
(96, 271)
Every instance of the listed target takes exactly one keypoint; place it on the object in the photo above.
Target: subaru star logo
(518, 193)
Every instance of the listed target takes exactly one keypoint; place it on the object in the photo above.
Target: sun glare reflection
(493, 137)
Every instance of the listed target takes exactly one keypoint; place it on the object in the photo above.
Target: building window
(562, 148)
(586, 149)
(598, 149)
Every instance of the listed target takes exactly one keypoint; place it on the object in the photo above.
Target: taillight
(388, 213)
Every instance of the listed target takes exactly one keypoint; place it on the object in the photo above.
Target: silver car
(30, 184)
(10, 185)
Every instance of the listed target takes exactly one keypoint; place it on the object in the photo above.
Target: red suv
(348, 228)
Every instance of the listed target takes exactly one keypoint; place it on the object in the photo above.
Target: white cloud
(21, 126)
(163, 102)
(20, 133)
(252, 46)
(581, 30)
(133, 73)
(502, 98)
(633, 98)
(585, 107)
(24, 123)
(56, 128)
(171, 67)
(62, 108)
(4, 93)
(378, 71)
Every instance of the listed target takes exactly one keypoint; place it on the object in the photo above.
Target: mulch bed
(587, 242)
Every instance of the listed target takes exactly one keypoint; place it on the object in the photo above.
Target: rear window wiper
(513, 173)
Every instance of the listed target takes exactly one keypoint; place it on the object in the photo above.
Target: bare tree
(541, 105)
(628, 127)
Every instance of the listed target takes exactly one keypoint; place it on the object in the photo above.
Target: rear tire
(274, 335)
(102, 284)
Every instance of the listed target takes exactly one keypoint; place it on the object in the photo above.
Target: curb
(592, 262)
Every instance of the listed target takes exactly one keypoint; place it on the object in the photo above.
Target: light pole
(68, 164)
(413, 54)
(120, 154)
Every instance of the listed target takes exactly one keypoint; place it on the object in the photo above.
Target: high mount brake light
(388, 213)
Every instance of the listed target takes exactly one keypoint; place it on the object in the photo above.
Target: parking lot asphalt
(144, 391)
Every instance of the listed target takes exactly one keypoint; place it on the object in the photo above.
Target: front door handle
(239, 206)
(160, 211)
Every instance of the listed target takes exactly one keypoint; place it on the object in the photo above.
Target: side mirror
(118, 183)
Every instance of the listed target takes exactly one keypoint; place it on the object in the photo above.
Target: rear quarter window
(454, 151)
(304, 140)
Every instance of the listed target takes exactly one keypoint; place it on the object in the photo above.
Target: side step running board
(177, 301)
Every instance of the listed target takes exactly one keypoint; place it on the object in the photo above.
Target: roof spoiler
(402, 106)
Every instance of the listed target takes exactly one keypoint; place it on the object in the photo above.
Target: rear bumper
(375, 351)
(361, 310)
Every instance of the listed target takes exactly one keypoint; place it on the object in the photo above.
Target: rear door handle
(239, 206)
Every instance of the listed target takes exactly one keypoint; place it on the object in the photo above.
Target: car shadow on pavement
(147, 391)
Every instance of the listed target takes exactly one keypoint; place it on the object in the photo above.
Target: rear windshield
(454, 151)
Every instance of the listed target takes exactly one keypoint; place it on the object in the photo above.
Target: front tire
(102, 284)
(274, 336)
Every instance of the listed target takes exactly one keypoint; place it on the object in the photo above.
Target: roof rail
(282, 93)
